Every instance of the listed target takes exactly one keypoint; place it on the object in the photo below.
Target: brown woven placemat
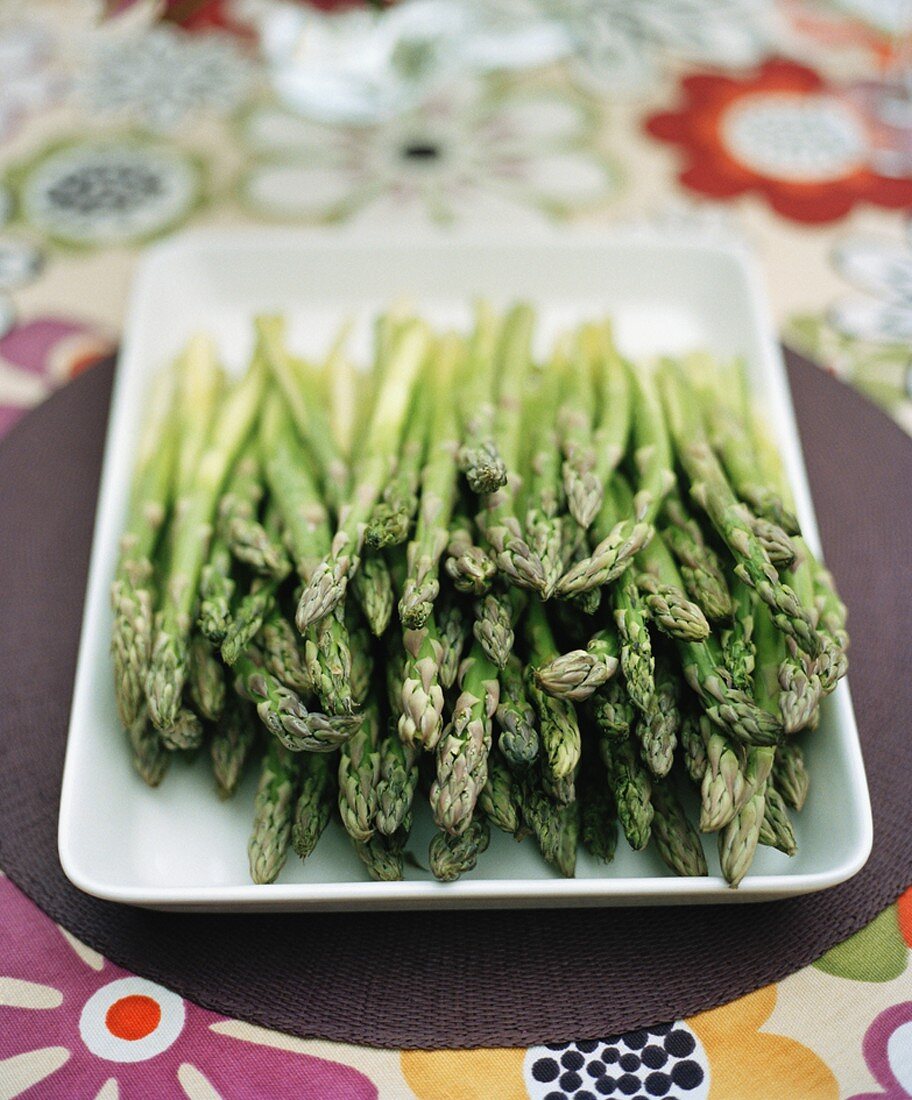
(464, 978)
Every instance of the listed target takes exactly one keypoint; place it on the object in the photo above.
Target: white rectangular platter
(178, 847)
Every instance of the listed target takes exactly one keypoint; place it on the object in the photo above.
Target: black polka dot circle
(667, 1061)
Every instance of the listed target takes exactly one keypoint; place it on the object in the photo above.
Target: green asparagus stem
(248, 617)
(462, 754)
(582, 486)
(189, 546)
(614, 398)
(519, 741)
(216, 592)
(478, 456)
(738, 840)
(723, 785)
(737, 639)
(282, 654)
(598, 822)
(149, 756)
(397, 783)
(709, 487)
(632, 790)
(831, 610)
(392, 517)
(544, 497)
(313, 808)
(328, 583)
(131, 591)
(359, 773)
(495, 616)
(676, 840)
(559, 730)
(207, 680)
(232, 740)
(455, 628)
(383, 855)
(776, 831)
(273, 812)
(662, 589)
(500, 797)
(468, 566)
(498, 520)
(556, 828)
(284, 714)
(186, 733)
(790, 774)
(652, 447)
(246, 538)
(421, 705)
(691, 738)
(372, 587)
(451, 856)
(699, 564)
(613, 712)
(438, 494)
(328, 659)
(658, 730)
(577, 674)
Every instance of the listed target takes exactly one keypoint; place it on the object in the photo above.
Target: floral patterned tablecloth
(786, 123)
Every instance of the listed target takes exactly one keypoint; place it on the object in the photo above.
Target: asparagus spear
(248, 617)
(438, 494)
(189, 545)
(284, 714)
(544, 524)
(658, 730)
(468, 565)
(451, 856)
(582, 486)
(799, 677)
(558, 725)
(498, 520)
(556, 828)
(328, 583)
(397, 783)
(614, 398)
(131, 591)
(149, 756)
(282, 655)
(519, 740)
(652, 448)
(709, 487)
(790, 774)
(834, 661)
(383, 855)
(726, 430)
(186, 733)
(232, 740)
(313, 808)
(462, 754)
(577, 674)
(500, 797)
(359, 773)
(216, 592)
(328, 658)
(699, 564)
(495, 616)
(739, 838)
(273, 812)
(598, 822)
(454, 628)
(421, 706)
(632, 790)
(676, 840)
(207, 680)
(691, 738)
(246, 538)
(662, 589)
(391, 519)
(737, 639)
(478, 456)
(776, 831)
(613, 712)
(732, 710)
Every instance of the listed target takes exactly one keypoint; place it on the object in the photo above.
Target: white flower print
(883, 269)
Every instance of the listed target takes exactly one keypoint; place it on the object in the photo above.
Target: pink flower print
(72, 1024)
(887, 1050)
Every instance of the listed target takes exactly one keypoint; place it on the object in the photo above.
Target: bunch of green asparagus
(548, 595)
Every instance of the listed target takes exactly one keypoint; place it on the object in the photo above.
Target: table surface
(756, 120)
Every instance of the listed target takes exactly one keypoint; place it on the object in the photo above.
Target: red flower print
(73, 1024)
(782, 133)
